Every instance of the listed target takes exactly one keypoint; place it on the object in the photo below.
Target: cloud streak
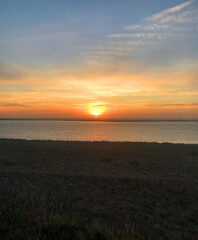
(168, 11)
(11, 105)
(175, 105)
(10, 72)
(162, 31)
(160, 20)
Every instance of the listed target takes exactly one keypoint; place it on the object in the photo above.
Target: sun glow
(96, 109)
(96, 112)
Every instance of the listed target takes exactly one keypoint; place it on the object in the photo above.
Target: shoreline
(95, 141)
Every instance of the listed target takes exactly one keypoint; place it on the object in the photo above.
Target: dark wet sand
(155, 185)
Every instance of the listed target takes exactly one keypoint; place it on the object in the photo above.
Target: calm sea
(174, 132)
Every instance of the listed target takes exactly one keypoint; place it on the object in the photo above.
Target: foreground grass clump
(18, 224)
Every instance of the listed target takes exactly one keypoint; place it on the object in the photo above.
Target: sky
(107, 58)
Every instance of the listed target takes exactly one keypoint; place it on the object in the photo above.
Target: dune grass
(19, 224)
(23, 221)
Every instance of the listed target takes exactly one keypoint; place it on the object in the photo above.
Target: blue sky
(116, 51)
(49, 29)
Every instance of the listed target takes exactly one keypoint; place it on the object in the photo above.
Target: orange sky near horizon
(123, 95)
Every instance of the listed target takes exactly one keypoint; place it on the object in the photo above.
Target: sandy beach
(152, 185)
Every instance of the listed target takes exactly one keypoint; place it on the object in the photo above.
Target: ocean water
(173, 132)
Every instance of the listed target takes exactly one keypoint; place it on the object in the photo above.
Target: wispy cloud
(10, 72)
(12, 105)
(168, 11)
(177, 14)
(162, 30)
(137, 35)
(175, 105)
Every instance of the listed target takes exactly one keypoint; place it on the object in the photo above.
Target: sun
(95, 112)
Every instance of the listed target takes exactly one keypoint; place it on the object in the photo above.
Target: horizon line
(106, 119)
